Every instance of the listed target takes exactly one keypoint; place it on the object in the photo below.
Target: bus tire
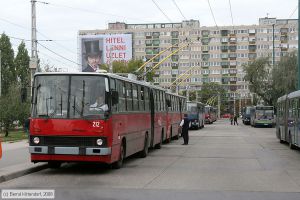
(290, 142)
(54, 164)
(118, 164)
(144, 152)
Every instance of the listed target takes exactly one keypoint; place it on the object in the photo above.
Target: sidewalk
(15, 161)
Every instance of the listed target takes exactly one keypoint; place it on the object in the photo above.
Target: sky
(60, 20)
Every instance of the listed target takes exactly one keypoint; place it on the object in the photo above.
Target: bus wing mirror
(114, 97)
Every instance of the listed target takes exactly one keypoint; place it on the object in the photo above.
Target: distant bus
(288, 119)
(262, 116)
(196, 114)
(246, 114)
(210, 114)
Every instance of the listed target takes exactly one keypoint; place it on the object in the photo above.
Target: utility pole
(273, 25)
(0, 74)
(33, 60)
(298, 47)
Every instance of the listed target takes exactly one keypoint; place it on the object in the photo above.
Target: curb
(22, 172)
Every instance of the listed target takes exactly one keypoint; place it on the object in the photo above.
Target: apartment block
(214, 54)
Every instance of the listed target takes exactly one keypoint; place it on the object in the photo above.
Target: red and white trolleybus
(98, 117)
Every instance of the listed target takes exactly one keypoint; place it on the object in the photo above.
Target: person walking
(184, 124)
(231, 119)
(235, 120)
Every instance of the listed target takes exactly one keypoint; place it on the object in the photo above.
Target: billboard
(95, 50)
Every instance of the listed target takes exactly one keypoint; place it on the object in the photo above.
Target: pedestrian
(231, 119)
(27, 126)
(184, 124)
(235, 120)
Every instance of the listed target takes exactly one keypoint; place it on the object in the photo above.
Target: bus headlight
(99, 142)
(36, 140)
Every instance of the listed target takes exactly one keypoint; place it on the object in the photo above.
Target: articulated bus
(98, 117)
(262, 116)
(288, 119)
(196, 114)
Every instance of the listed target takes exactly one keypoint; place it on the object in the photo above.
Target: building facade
(214, 54)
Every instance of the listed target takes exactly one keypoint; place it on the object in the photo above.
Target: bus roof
(282, 98)
(103, 74)
(294, 94)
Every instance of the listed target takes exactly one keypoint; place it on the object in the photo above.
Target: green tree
(13, 109)
(22, 69)
(8, 72)
(284, 74)
(259, 76)
(210, 92)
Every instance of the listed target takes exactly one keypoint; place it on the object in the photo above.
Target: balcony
(205, 33)
(156, 42)
(149, 51)
(224, 32)
(232, 63)
(205, 57)
(224, 40)
(174, 34)
(174, 41)
(232, 40)
(224, 56)
(251, 31)
(283, 39)
(252, 40)
(232, 48)
(252, 48)
(232, 56)
(205, 48)
(224, 64)
(155, 34)
(252, 56)
(175, 58)
(284, 31)
(205, 41)
(148, 43)
(224, 48)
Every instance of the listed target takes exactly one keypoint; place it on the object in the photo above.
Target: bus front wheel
(118, 164)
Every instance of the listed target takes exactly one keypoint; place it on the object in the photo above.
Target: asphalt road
(221, 162)
(14, 154)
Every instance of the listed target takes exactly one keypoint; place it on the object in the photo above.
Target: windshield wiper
(47, 105)
(83, 96)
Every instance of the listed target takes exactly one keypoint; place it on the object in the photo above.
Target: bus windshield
(264, 113)
(192, 108)
(69, 96)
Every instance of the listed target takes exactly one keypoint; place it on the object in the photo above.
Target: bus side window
(121, 91)
(146, 96)
(141, 98)
(163, 101)
(135, 97)
(114, 108)
(129, 97)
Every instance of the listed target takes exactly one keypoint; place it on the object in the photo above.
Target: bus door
(152, 117)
